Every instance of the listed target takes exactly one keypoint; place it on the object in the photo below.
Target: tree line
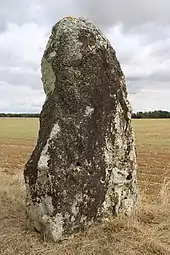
(137, 115)
(151, 115)
(19, 115)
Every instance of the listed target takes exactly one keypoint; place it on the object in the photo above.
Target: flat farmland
(153, 154)
(18, 138)
(147, 232)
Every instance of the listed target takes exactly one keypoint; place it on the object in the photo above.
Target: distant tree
(19, 115)
(151, 115)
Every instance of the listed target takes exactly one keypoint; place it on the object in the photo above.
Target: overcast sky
(138, 30)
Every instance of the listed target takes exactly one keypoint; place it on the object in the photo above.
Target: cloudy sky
(138, 30)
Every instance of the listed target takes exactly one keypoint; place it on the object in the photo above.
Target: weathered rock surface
(83, 168)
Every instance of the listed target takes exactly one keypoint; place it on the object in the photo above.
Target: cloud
(144, 62)
(14, 12)
(150, 100)
(43, 13)
(22, 45)
(105, 13)
(21, 76)
(132, 13)
(20, 98)
(54, 10)
(21, 49)
(138, 30)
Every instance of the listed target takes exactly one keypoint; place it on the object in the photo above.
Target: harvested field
(148, 232)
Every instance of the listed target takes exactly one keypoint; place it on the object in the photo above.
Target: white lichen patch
(89, 110)
(43, 168)
(75, 206)
(53, 226)
(43, 161)
(52, 54)
(44, 157)
(48, 76)
(55, 131)
(108, 152)
(119, 139)
(119, 198)
(83, 219)
(39, 216)
(132, 154)
(46, 206)
(117, 191)
(57, 227)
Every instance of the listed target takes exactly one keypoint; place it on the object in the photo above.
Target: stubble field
(147, 232)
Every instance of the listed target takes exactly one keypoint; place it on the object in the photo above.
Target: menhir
(83, 168)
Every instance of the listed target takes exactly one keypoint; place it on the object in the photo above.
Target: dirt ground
(148, 232)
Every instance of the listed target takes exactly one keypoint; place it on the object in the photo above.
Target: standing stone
(83, 168)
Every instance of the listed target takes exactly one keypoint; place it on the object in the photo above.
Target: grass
(152, 132)
(17, 129)
(147, 232)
